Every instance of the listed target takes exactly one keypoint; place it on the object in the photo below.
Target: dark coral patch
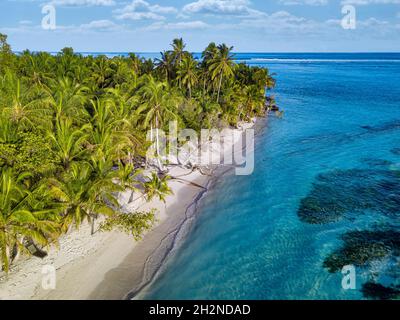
(362, 247)
(376, 162)
(343, 192)
(372, 290)
(347, 194)
(395, 151)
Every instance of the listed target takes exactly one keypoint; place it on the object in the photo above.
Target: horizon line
(240, 52)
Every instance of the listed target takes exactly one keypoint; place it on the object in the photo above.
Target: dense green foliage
(72, 131)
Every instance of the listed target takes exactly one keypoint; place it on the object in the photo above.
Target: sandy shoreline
(112, 266)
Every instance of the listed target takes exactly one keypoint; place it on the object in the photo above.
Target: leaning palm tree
(18, 221)
(222, 66)
(187, 73)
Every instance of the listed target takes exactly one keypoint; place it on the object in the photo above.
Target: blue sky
(248, 25)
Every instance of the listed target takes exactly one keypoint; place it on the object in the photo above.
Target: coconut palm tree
(25, 107)
(101, 71)
(68, 141)
(178, 49)
(135, 62)
(165, 64)
(66, 63)
(8, 131)
(158, 105)
(222, 65)
(6, 55)
(18, 221)
(157, 187)
(67, 97)
(36, 68)
(109, 135)
(187, 73)
(83, 194)
(209, 53)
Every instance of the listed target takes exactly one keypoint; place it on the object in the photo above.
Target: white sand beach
(110, 265)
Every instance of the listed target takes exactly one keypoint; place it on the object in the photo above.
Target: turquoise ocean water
(337, 148)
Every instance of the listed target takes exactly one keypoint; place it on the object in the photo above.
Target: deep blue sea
(328, 168)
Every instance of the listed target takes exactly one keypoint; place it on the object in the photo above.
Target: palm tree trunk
(6, 262)
(158, 146)
(93, 225)
(17, 251)
(219, 87)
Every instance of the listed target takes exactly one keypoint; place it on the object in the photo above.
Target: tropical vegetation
(73, 132)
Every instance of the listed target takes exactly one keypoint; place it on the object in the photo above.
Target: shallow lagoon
(323, 172)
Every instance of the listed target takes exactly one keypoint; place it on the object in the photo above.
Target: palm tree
(8, 131)
(83, 193)
(18, 222)
(67, 98)
(179, 52)
(136, 63)
(36, 68)
(108, 135)
(128, 176)
(101, 71)
(158, 105)
(208, 55)
(210, 52)
(178, 47)
(25, 107)
(165, 64)
(6, 55)
(187, 73)
(68, 141)
(222, 65)
(157, 187)
(66, 63)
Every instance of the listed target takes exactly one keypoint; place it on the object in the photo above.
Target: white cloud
(140, 16)
(82, 3)
(372, 23)
(222, 7)
(367, 2)
(141, 10)
(187, 25)
(25, 22)
(304, 2)
(101, 25)
(281, 20)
